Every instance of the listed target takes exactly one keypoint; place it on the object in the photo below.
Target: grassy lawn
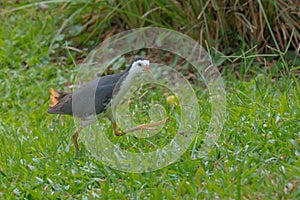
(256, 157)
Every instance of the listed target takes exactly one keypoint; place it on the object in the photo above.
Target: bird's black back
(92, 98)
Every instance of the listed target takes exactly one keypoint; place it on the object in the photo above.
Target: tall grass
(225, 25)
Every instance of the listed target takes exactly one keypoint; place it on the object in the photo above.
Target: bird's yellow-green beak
(147, 68)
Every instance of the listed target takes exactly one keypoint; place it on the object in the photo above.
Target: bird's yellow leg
(75, 137)
(147, 126)
(116, 129)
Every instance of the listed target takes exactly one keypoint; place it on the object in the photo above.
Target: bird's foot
(119, 133)
(147, 126)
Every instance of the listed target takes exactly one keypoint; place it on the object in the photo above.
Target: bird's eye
(139, 64)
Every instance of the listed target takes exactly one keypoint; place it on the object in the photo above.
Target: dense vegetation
(255, 45)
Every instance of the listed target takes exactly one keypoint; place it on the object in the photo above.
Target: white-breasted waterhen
(106, 89)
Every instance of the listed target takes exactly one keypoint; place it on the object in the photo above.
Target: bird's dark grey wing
(92, 98)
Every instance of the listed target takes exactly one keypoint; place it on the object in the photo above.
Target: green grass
(256, 157)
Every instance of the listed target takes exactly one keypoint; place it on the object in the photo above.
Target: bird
(101, 93)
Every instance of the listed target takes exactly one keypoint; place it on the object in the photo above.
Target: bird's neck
(124, 85)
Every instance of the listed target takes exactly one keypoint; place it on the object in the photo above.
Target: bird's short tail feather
(55, 97)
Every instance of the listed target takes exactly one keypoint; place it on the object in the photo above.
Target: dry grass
(224, 25)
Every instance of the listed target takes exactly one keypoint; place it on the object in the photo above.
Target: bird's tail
(54, 97)
(57, 105)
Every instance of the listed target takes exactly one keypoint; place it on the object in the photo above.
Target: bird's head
(140, 64)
